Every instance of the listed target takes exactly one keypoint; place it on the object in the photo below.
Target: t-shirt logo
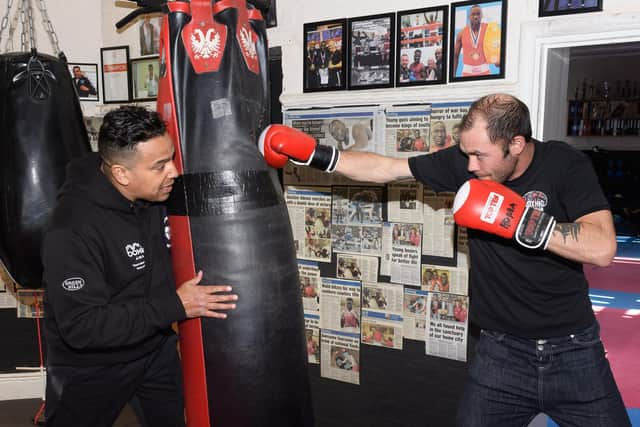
(73, 284)
(136, 251)
(536, 199)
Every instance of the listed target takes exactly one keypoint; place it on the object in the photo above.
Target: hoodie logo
(536, 199)
(136, 251)
(73, 284)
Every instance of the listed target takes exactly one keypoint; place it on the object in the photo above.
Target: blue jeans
(568, 378)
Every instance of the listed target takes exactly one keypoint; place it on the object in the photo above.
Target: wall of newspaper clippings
(380, 266)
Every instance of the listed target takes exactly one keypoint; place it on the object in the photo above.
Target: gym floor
(19, 413)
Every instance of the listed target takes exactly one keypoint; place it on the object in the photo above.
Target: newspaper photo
(382, 320)
(29, 303)
(404, 202)
(357, 267)
(340, 305)
(439, 227)
(447, 326)
(405, 253)
(309, 274)
(437, 278)
(356, 214)
(445, 124)
(407, 130)
(346, 128)
(385, 258)
(312, 337)
(340, 356)
(310, 212)
(415, 313)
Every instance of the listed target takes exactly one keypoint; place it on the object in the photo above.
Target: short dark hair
(123, 129)
(506, 116)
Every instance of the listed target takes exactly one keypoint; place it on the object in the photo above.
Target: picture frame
(149, 34)
(319, 38)
(144, 78)
(85, 80)
(115, 74)
(371, 51)
(481, 56)
(421, 46)
(568, 7)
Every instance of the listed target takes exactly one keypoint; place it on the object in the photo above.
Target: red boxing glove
(489, 206)
(279, 143)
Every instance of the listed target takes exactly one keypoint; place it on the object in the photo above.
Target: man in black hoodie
(110, 293)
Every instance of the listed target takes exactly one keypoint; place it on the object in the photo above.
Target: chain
(5, 20)
(23, 20)
(48, 26)
(32, 27)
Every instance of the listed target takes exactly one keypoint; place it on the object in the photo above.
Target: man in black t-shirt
(539, 350)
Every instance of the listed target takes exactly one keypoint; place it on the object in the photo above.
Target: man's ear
(120, 174)
(516, 145)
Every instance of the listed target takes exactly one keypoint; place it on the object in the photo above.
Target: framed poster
(421, 46)
(150, 35)
(324, 55)
(371, 51)
(478, 32)
(144, 79)
(567, 7)
(115, 74)
(85, 80)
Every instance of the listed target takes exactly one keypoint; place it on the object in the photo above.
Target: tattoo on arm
(570, 229)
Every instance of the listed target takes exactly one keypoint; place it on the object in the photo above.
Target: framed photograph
(567, 7)
(421, 46)
(478, 34)
(115, 74)
(324, 53)
(150, 35)
(371, 51)
(85, 80)
(144, 79)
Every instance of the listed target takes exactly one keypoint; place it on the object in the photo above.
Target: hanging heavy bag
(228, 219)
(41, 129)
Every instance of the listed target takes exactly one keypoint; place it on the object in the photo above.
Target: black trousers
(94, 396)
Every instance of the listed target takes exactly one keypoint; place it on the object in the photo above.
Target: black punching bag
(41, 129)
(228, 219)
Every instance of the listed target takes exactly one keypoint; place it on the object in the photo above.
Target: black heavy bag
(41, 129)
(228, 219)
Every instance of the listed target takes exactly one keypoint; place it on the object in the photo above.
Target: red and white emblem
(247, 39)
(205, 45)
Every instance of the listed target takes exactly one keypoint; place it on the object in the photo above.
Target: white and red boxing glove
(489, 206)
(280, 143)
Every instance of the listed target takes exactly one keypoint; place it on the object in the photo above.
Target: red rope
(40, 411)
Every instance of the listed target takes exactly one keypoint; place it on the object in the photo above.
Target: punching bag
(41, 129)
(228, 219)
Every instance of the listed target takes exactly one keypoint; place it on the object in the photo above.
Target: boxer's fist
(489, 206)
(279, 143)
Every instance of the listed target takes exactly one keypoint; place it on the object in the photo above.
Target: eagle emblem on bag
(205, 45)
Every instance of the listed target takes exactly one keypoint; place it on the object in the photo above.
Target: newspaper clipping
(463, 248)
(7, 288)
(445, 124)
(437, 278)
(30, 304)
(309, 274)
(348, 129)
(415, 313)
(439, 226)
(447, 326)
(382, 321)
(357, 267)
(340, 305)
(310, 212)
(405, 202)
(340, 356)
(357, 220)
(407, 130)
(405, 253)
(312, 336)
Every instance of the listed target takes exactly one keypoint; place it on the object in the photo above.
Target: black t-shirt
(524, 292)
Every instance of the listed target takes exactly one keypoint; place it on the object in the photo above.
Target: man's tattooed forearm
(569, 230)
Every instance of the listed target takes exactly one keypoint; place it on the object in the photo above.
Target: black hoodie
(110, 292)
